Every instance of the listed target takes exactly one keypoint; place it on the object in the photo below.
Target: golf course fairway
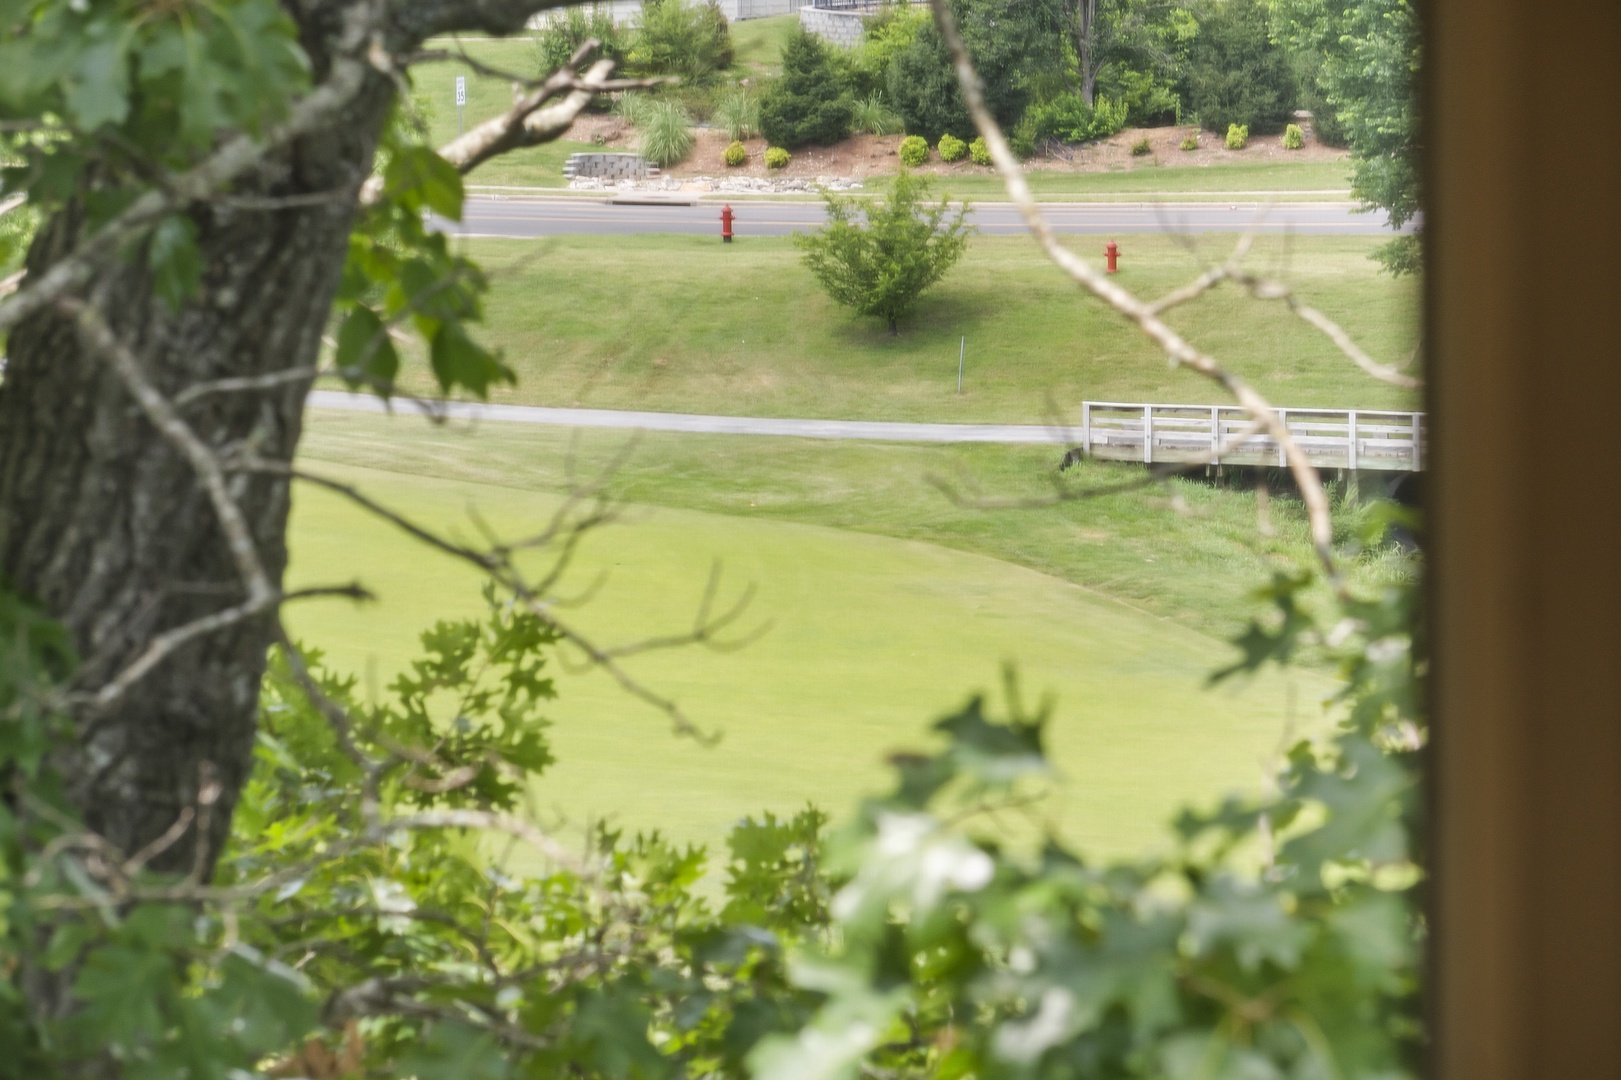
(866, 641)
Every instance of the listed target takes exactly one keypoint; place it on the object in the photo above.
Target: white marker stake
(960, 351)
(461, 99)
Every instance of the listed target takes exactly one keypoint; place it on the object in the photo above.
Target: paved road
(549, 217)
(876, 430)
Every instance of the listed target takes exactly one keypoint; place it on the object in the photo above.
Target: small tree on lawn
(880, 266)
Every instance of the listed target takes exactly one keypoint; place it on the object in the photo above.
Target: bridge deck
(1331, 438)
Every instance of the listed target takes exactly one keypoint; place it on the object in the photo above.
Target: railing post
(1351, 453)
(1215, 434)
(1086, 428)
(1283, 422)
(1148, 434)
(1418, 453)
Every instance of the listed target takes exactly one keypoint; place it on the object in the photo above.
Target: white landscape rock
(725, 185)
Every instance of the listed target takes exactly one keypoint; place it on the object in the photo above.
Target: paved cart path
(877, 430)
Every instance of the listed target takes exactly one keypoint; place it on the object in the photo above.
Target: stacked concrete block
(609, 167)
(842, 28)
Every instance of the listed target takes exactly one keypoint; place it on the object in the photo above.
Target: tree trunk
(105, 525)
(1086, 43)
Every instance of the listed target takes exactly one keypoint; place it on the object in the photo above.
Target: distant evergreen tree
(1013, 43)
(810, 103)
(1236, 73)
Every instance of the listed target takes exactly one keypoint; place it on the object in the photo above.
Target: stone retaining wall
(609, 167)
(841, 28)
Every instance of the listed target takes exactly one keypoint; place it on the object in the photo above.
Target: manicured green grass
(758, 42)
(1188, 550)
(683, 324)
(870, 638)
(1305, 176)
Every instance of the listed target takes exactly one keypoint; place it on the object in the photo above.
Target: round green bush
(978, 152)
(1294, 138)
(1191, 142)
(914, 151)
(736, 154)
(1238, 136)
(952, 148)
(777, 158)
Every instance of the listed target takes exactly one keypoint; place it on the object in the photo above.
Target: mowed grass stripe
(871, 638)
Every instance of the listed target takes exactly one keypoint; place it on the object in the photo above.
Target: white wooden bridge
(1331, 438)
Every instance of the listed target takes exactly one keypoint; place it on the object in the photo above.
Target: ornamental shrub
(978, 152)
(736, 154)
(872, 116)
(1141, 148)
(1293, 137)
(674, 38)
(777, 158)
(952, 148)
(738, 114)
(1191, 142)
(1238, 136)
(1069, 119)
(666, 133)
(809, 104)
(914, 151)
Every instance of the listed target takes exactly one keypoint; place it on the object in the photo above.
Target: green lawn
(758, 42)
(870, 638)
(1188, 551)
(683, 324)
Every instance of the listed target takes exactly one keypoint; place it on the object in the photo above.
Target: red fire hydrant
(726, 224)
(1111, 251)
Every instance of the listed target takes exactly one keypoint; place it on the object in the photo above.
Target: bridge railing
(1331, 438)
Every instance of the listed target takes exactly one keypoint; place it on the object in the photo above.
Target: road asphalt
(874, 430)
(526, 218)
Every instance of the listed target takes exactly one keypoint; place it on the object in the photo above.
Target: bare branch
(244, 383)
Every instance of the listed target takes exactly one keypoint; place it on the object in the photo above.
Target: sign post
(461, 99)
(961, 351)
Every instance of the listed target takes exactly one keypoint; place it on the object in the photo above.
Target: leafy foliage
(1236, 73)
(692, 41)
(1139, 48)
(1278, 938)
(777, 158)
(809, 104)
(952, 148)
(1366, 62)
(1238, 136)
(736, 154)
(1293, 137)
(1068, 119)
(1190, 142)
(913, 151)
(978, 152)
(565, 31)
(880, 267)
(1142, 148)
(1012, 44)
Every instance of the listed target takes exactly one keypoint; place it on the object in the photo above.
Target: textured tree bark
(104, 524)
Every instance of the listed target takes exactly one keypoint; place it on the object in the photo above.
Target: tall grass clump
(738, 114)
(872, 116)
(666, 133)
(633, 109)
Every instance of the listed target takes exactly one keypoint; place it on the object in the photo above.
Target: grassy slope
(1192, 564)
(870, 638)
(1312, 176)
(758, 43)
(682, 324)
